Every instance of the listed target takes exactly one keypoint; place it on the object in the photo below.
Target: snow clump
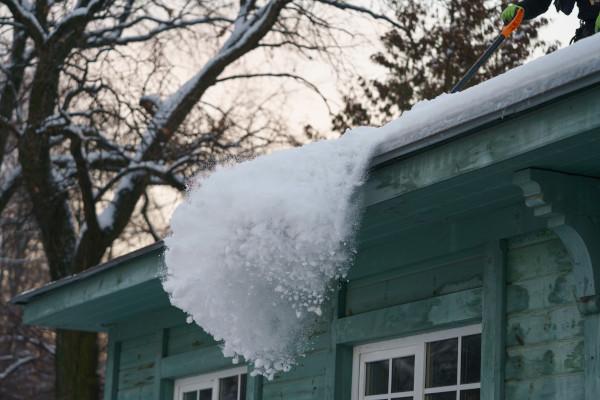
(256, 246)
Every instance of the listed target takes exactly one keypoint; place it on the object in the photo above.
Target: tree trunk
(76, 365)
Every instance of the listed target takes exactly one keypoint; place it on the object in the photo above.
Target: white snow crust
(256, 246)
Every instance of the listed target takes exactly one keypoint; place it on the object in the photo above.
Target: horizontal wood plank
(202, 361)
(435, 313)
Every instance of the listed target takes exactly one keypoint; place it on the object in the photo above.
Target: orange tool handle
(514, 24)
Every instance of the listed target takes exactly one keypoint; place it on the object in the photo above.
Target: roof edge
(466, 127)
(29, 295)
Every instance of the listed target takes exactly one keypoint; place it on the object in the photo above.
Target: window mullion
(420, 382)
(389, 376)
(459, 362)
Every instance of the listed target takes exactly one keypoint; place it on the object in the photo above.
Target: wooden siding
(544, 330)
(186, 338)
(451, 296)
(544, 340)
(136, 373)
(408, 283)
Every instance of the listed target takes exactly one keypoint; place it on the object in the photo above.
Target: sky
(562, 27)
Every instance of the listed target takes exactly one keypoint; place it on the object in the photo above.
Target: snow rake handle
(506, 32)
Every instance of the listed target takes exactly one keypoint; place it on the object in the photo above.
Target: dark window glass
(403, 374)
(442, 363)
(402, 398)
(190, 395)
(470, 367)
(228, 388)
(206, 394)
(243, 387)
(441, 396)
(377, 377)
(472, 394)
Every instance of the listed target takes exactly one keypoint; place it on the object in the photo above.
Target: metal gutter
(27, 296)
(475, 124)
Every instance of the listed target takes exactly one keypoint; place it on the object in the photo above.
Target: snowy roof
(449, 115)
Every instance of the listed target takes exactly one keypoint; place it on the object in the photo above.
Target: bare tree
(87, 153)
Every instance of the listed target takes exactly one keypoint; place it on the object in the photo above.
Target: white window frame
(207, 381)
(405, 347)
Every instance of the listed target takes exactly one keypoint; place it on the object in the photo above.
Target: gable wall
(544, 330)
(544, 340)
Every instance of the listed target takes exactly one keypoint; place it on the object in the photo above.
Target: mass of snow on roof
(257, 246)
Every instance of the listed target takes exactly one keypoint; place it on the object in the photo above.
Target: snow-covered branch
(78, 17)
(245, 36)
(50, 349)
(27, 19)
(15, 365)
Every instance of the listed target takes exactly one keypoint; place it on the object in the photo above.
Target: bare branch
(149, 224)
(112, 36)
(342, 5)
(304, 81)
(85, 184)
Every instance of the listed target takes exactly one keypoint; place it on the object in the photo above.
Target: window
(226, 385)
(438, 366)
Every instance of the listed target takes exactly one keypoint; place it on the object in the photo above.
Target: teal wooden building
(477, 277)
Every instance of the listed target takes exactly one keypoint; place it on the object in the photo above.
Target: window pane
(377, 377)
(190, 396)
(402, 398)
(228, 388)
(403, 374)
(470, 367)
(441, 396)
(243, 387)
(206, 394)
(472, 394)
(442, 363)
